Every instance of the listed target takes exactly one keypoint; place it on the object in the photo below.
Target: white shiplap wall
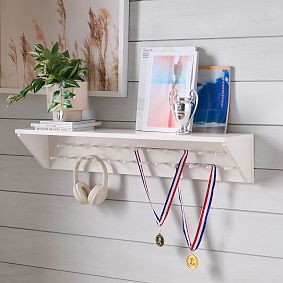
(45, 236)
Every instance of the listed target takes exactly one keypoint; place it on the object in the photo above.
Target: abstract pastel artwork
(214, 95)
(162, 79)
(95, 30)
(163, 69)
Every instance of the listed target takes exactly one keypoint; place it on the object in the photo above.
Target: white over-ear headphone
(82, 192)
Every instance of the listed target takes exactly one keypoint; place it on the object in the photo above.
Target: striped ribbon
(173, 188)
(204, 212)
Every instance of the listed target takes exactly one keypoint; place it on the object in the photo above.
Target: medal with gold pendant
(160, 220)
(192, 260)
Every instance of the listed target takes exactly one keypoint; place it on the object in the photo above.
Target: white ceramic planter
(79, 102)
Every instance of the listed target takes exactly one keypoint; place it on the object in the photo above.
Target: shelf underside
(232, 153)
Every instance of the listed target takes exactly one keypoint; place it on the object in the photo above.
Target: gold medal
(159, 240)
(192, 261)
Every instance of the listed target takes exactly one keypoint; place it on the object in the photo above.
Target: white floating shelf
(233, 154)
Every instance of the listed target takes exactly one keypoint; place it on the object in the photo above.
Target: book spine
(51, 129)
(59, 126)
(62, 130)
(67, 123)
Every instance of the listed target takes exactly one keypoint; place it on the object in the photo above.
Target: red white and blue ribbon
(193, 245)
(173, 188)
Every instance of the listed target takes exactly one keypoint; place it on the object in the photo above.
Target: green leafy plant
(54, 68)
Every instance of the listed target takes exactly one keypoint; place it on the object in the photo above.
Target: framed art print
(160, 69)
(95, 30)
(214, 99)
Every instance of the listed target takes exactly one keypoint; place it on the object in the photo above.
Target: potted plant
(64, 80)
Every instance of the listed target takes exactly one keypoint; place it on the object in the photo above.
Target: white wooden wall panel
(252, 59)
(11, 273)
(117, 109)
(107, 109)
(131, 260)
(256, 103)
(265, 195)
(22, 110)
(23, 174)
(268, 145)
(64, 215)
(183, 19)
(248, 105)
(10, 144)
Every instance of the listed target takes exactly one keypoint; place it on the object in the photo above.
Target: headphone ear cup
(97, 195)
(93, 195)
(81, 191)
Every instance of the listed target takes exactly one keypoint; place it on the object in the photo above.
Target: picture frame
(34, 21)
(159, 68)
(214, 93)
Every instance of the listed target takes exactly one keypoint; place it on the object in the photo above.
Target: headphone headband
(98, 160)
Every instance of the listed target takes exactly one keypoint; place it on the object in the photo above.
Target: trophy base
(185, 130)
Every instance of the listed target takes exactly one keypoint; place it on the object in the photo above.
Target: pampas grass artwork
(104, 15)
(100, 54)
(24, 52)
(28, 61)
(104, 82)
(75, 53)
(94, 40)
(62, 20)
(14, 57)
(89, 59)
(115, 60)
(39, 33)
(96, 30)
(98, 25)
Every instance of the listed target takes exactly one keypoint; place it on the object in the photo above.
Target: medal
(159, 240)
(160, 220)
(192, 261)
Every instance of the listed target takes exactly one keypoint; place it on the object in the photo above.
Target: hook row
(156, 164)
(147, 149)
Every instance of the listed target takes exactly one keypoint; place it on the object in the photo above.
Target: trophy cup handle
(196, 105)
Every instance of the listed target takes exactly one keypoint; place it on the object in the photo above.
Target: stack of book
(84, 125)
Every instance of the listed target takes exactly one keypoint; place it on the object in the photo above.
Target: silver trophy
(183, 109)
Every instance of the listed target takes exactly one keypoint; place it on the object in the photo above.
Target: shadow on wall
(214, 261)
